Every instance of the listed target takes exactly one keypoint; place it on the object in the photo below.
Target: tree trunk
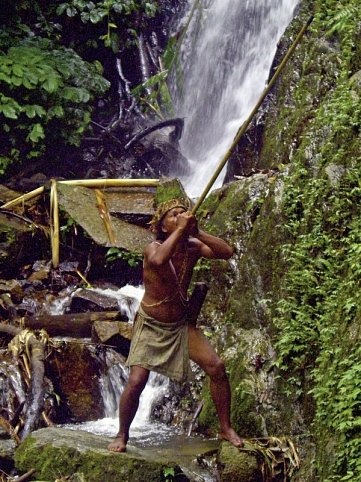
(75, 324)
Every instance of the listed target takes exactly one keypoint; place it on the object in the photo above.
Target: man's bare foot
(118, 445)
(231, 436)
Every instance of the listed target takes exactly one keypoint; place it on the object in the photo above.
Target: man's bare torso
(165, 296)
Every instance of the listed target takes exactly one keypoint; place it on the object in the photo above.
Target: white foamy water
(227, 56)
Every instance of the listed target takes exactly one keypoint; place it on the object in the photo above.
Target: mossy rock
(238, 466)
(55, 453)
(169, 189)
(18, 242)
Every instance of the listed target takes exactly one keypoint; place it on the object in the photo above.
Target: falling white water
(114, 378)
(228, 52)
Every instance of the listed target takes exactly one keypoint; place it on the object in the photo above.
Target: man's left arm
(213, 247)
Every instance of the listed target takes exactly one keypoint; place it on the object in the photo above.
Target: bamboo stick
(86, 183)
(104, 214)
(23, 198)
(54, 223)
(244, 126)
(102, 183)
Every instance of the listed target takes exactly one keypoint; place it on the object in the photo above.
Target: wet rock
(7, 450)
(41, 270)
(133, 206)
(7, 194)
(87, 300)
(12, 287)
(56, 452)
(116, 334)
(335, 173)
(238, 466)
(75, 373)
(18, 245)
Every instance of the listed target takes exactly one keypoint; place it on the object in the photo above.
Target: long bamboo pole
(54, 224)
(244, 126)
(102, 183)
(98, 183)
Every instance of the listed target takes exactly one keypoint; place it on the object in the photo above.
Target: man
(162, 340)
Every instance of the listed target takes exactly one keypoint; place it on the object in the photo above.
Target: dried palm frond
(9, 429)
(278, 456)
(104, 214)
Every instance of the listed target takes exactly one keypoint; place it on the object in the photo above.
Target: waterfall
(114, 378)
(226, 57)
(12, 389)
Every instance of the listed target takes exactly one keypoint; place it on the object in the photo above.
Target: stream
(169, 441)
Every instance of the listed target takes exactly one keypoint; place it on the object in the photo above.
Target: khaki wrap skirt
(160, 346)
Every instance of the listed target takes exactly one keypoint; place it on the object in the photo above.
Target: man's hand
(188, 222)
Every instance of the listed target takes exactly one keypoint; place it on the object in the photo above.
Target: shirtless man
(160, 325)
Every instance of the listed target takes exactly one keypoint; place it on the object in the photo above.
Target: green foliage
(341, 21)
(159, 100)
(45, 98)
(203, 265)
(133, 259)
(318, 315)
(169, 473)
(109, 12)
(47, 88)
(320, 302)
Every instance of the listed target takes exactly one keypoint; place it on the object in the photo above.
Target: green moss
(169, 189)
(55, 462)
(238, 466)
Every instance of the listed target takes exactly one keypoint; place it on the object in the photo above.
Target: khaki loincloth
(160, 347)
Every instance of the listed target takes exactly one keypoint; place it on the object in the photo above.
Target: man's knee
(137, 381)
(217, 370)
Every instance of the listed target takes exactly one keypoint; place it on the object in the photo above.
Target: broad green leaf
(8, 111)
(51, 84)
(36, 133)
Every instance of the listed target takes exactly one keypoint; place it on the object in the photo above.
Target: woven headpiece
(166, 206)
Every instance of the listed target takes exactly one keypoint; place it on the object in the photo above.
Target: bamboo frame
(54, 203)
(99, 183)
(23, 198)
(102, 183)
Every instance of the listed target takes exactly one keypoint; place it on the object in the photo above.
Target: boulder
(55, 453)
(81, 204)
(7, 449)
(238, 466)
(75, 373)
(84, 300)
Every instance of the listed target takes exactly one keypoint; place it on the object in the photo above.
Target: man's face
(169, 223)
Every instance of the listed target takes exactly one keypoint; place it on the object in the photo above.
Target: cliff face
(285, 313)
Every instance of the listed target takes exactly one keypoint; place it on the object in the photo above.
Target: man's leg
(128, 406)
(202, 352)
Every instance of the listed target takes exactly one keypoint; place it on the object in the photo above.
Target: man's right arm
(158, 255)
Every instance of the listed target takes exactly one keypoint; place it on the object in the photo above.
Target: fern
(342, 19)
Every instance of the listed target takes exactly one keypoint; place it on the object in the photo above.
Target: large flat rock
(81, 204)
(56, 452)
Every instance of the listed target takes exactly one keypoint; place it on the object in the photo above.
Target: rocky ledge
(57, 452)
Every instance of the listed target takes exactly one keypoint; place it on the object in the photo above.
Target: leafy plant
(169, 473)
(110, 12)
(46, 97)
(133, 259)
